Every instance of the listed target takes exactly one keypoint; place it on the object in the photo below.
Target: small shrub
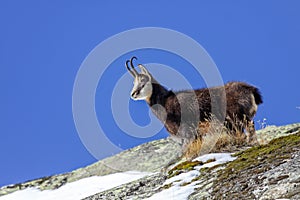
(215, 137)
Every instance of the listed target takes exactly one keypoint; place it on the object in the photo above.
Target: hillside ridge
(154, 156)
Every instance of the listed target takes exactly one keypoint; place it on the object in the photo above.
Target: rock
(269, 171)
(148, 157)
(139, 189)
(263, 172)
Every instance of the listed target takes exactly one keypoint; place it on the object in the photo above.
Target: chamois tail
(257, 96)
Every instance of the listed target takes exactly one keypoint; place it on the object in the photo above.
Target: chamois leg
(251, 134)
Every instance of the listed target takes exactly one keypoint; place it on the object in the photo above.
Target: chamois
(183, 111)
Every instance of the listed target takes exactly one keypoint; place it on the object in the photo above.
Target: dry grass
(215, 137)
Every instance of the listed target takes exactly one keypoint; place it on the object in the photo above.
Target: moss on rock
(240, 177)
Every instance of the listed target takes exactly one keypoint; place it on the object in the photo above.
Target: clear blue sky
(43, 43)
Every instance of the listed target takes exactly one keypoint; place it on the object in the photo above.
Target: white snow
(183, 177)
(78, 189)
(219, 157)
(175, 192)
(178, 192)
(95, 184)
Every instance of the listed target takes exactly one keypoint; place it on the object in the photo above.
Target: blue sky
(43, 44)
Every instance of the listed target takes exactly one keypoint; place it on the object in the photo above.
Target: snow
(175, 192)
(179, 189)
(78, 189)
(179, 192)
(183, 177)
(219, 157)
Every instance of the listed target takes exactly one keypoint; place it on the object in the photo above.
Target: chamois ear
(144, 70)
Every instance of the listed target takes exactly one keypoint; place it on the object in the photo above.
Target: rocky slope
(148, 157)
(269, 171)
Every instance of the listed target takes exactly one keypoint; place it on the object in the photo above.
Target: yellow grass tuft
(214, 137)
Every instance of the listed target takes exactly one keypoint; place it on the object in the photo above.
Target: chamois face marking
(142, 86)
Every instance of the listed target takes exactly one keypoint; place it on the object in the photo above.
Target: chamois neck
(159, 95)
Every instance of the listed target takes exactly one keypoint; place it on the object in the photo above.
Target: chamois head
(142, 86)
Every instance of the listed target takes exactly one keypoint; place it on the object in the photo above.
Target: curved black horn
(131, 72)
(131, 60)
(131, 63)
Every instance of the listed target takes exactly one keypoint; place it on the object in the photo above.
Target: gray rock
(258, 173)
(139, 189)
(148, 157)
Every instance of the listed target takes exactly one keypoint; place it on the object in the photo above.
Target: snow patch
(79, 189)
(219, 157)
(181, 185)
(175, 192)
(179, 192)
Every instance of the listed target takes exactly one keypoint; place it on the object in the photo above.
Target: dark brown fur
(240, 108)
